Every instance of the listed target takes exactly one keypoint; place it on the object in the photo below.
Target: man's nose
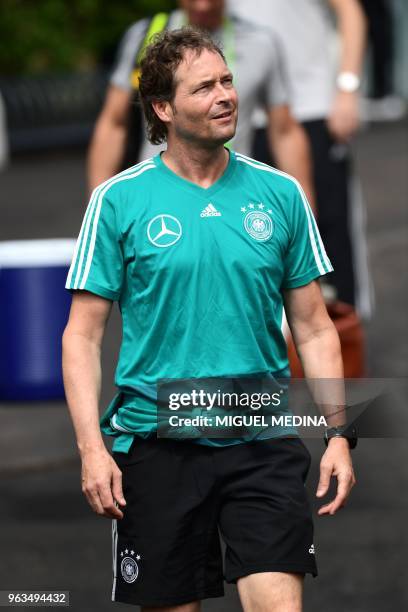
(224, 93)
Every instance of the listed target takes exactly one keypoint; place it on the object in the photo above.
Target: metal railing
(52, 110)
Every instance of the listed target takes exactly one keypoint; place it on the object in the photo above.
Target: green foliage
(62, 35)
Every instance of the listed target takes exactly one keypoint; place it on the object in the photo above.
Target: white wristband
(348, 82)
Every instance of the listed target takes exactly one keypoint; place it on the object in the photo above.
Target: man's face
(204, 109)
(203, 13)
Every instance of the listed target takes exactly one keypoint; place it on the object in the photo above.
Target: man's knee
(271, 592)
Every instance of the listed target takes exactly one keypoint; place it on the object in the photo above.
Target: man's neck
(200, 166)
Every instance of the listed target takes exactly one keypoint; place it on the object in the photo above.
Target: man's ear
(163, 110)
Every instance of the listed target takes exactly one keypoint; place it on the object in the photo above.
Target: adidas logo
(312, 549)
(210, 211)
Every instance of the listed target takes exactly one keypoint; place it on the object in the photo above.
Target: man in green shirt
(202, 247)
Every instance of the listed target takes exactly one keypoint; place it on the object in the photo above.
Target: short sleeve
(276, 90)
(305, 258)
(128, 49)
(97, 264)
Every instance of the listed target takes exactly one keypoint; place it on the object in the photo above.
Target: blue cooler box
(34, 308)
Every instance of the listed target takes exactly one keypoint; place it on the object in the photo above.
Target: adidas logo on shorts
(210, 211)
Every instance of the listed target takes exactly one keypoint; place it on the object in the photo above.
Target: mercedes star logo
(164, 231)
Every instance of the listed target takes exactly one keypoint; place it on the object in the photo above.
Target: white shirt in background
(308, 36)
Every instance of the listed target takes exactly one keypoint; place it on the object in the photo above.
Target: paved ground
(49, 539)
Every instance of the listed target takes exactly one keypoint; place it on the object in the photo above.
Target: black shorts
(166, 549)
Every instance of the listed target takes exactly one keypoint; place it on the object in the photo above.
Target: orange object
(351, 335)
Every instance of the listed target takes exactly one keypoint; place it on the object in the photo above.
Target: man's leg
(166, 548)
(266, 522)
(271, 592)
(331, 162)
(189, 607)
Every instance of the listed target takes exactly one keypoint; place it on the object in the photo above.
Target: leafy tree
(63, 35)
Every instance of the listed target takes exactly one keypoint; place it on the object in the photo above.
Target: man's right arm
(81, 343)
(109, 138)
(108, 142)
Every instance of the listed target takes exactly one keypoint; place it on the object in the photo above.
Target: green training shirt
(198, 274)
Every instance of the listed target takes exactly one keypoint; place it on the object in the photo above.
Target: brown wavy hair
(158, 67)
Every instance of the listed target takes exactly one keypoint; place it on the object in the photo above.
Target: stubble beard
(207, 140)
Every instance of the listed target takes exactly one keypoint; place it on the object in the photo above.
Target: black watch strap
(342, 431)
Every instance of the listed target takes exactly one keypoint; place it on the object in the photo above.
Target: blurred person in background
(4, 146)
(255, 58)
(324, 97)
(382, 104)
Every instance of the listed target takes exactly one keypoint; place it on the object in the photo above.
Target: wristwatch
(342, 431)
(348, 82)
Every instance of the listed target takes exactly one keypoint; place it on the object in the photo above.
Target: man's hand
(102, 483)
(336, 461)
(343, 119)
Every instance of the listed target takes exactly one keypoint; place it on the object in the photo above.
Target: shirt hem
(304, 279)
(97, 289)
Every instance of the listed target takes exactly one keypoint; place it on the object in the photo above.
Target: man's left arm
(290, 147)
(287, 139)
(318, 346)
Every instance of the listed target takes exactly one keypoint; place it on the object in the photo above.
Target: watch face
(348, 82)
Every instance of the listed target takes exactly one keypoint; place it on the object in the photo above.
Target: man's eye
(228, 81)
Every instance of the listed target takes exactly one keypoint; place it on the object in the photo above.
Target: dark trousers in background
(332, 166)
(380, 35)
